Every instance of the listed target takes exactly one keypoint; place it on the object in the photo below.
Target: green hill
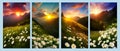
(75, 31)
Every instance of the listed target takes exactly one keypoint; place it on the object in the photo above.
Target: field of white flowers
(73, 42)
(16, 37)
(41, 38)
(104, 38)
(73, 37)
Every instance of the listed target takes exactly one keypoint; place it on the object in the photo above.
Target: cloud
(11, 8)
(98, 5)
(34, 9)
(76, 6)
(103, 6)
(38, 5)
(73, 13)
(7, 11)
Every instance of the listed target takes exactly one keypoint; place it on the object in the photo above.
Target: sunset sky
(48, 7)
(18, 9)
(14, 12)
(96, 8)
(75, 9)
(45, 11)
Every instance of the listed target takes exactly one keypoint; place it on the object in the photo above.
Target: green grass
(94, 34)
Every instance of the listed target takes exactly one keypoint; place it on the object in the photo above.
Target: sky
(44, 11)
(49, 7)
(14, 12)
(12, 8)
(75, 9)
(96, 8)
(47, 15)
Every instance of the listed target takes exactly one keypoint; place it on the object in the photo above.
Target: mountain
(12, 20)
(103, 19)
(106, 15)
(83, 21)
(25, 19)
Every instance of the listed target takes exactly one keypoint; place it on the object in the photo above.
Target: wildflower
(12, 42)
(67, 44)
(94, 41)
(99, 38)
(111, 44)
(73, 39)
(45, 39)
(20, 39)
(73, 46)
(94, 45)
(39, 44)
(91, 44)
(5, 45)
(54, 46)
(28, 37)
(69, 38)
(107, 41)
(43, 42)
(105, 46)
(81, 42)
(64, 37)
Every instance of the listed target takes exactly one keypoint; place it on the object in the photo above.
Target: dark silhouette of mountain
(25, 19)
(12, 20)
(51, 27)
(106, 15)
(83, 21)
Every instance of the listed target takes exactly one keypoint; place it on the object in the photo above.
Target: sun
(96, 11)
(49, 16)
(18, 14)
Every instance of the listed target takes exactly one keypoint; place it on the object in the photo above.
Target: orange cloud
(76, 6)
(71, 13)
(9, 12)
(34, 9)
(13, 8)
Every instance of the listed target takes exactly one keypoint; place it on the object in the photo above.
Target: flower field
(41, 38)
(104, 38)
(74, 35)
(16, 37)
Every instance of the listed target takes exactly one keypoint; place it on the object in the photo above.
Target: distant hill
(106, 16)
(83, 21)
(52, 27)
(25, 19)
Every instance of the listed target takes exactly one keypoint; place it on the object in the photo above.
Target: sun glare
(96, 11)
(49, 16)
(17, 14)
